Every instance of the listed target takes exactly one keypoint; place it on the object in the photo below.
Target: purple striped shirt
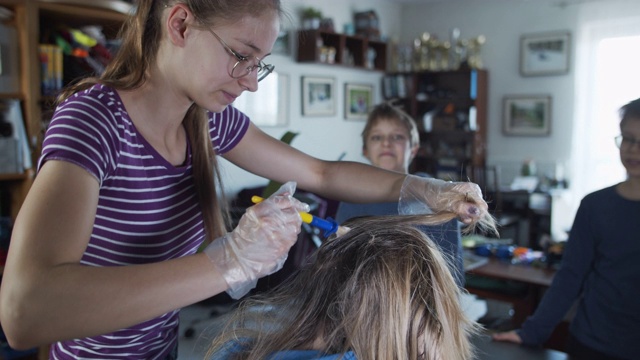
(147, 209)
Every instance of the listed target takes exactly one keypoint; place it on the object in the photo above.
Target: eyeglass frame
(260, 65)
(620, 139)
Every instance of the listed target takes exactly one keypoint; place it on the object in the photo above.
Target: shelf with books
(33, 23)
(450, 108)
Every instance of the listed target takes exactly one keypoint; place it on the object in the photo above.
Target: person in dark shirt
(600, 267)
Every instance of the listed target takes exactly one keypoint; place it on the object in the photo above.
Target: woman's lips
(230, 97)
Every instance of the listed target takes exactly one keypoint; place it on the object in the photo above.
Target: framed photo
(545, 54)
(527, 115)
(318, 96)
(358, 99)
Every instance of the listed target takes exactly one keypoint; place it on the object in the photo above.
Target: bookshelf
(450, 108)
(32, 21)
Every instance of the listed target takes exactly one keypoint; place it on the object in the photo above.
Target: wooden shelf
(82, 6)
(13, 177)
(457, 102)
(350, 51)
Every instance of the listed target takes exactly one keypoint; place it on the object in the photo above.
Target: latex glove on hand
(420, 195)
(259, 245)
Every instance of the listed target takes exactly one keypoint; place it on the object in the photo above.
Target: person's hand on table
(509, 336)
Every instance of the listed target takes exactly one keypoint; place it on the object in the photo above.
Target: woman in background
(600, 267)
(390, 141)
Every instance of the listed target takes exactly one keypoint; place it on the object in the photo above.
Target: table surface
(487, 349)
(503, 269)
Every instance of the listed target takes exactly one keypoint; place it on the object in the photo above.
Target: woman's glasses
(391, 138)
(241, 69)
(626, 141)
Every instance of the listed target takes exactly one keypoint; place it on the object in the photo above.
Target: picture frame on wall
(318, 96)
(358, 99)
(527, 115)
(544, 54)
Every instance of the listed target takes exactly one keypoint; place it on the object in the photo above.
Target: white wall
(501, 21)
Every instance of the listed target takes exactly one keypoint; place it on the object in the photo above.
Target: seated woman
(390, 140)
(383, 290)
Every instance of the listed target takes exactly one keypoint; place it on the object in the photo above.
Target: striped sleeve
(227, 128)
(84, 131)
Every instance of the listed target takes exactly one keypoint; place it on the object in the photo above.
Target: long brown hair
(382, 290)
(141, 35)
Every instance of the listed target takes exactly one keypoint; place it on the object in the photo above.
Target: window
(607, 77)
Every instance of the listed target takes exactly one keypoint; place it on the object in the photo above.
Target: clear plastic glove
(259, 245)
(420, 195)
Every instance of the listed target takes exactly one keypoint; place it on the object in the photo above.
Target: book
(9, 60)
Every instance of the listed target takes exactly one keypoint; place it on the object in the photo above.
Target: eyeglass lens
(622, 140)
(239, 69)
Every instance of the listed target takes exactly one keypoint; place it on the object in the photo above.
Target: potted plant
(311, 18)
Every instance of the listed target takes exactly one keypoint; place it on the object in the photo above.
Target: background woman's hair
(141, 35)
(382, 290)
(631, 110)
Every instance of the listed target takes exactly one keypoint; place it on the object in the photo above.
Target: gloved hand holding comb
(259, 245)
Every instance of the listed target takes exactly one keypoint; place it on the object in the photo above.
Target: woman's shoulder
(604, 194)
(609, 198)
(227, 128)
(97, 93)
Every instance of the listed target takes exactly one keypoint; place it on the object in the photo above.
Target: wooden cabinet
(338, 49)
(450, 108)
(33, 20)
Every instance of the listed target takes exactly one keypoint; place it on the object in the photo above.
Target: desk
(533, 282)
(487, 349)
(505, 270)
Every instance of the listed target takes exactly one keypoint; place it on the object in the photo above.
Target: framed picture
(318, 96)
(358, 99)
(545, 53)
(527, 115)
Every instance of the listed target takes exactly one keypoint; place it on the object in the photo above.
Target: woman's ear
(365, 153)
(413, 152)
(177, 23)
